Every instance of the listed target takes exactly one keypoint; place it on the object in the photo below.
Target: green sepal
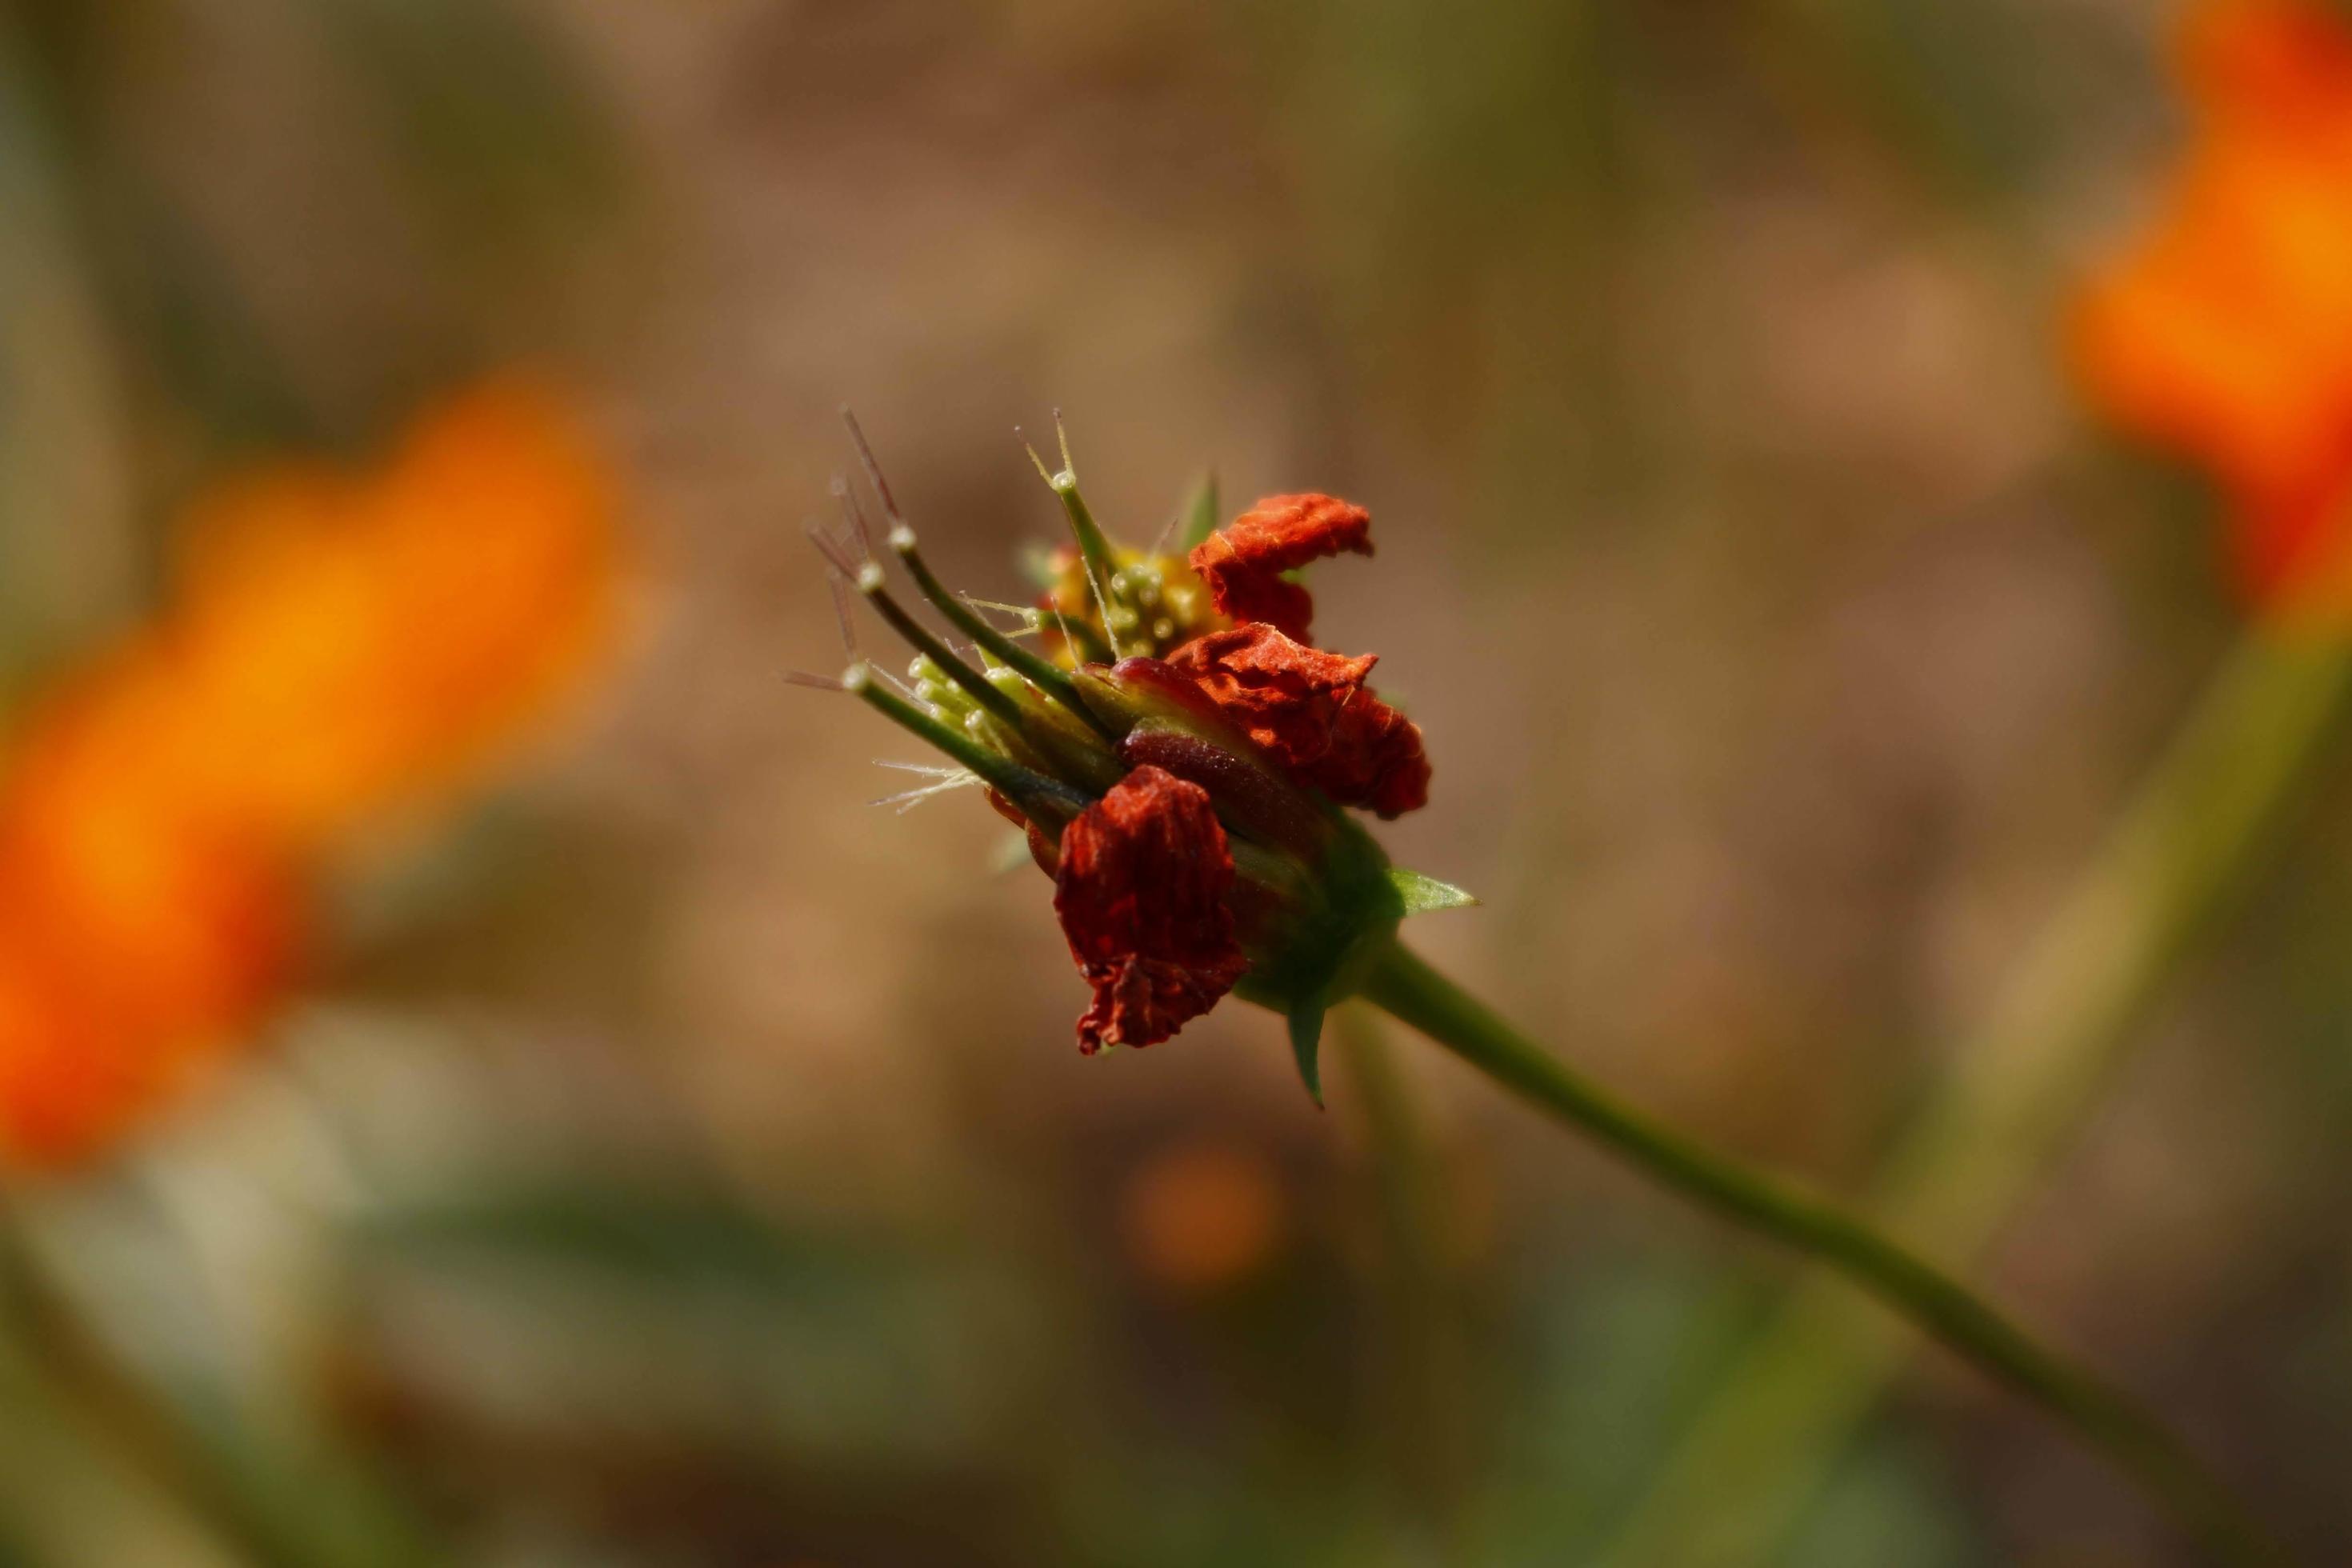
(1423, 894)
(1335, 922)
(1095, 550)
(1039, 797)
(1202, 515)
(1307, 1044)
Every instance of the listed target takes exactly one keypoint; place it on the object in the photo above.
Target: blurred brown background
(678, 1160)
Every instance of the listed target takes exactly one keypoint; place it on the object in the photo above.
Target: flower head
(340, 647)
(1186, 792)
(2228, 333)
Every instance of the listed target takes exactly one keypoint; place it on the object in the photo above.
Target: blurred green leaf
(170, 1385)
(662, 1237)
(1612, 1354)
(1884, 1506)
(633, 1309)
(67, 1501)
(508, 140)
(67, 563)
(1965, 89)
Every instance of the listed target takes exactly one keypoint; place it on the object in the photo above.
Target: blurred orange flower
(343, 648)
(2228, 333)
(1202, 1217)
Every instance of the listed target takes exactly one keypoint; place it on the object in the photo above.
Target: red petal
(1243, 564)
(1376, 760)
(1313, 711)
(1141, 895)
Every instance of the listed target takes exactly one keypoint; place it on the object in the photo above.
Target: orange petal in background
(2227, 335)
(343, 648)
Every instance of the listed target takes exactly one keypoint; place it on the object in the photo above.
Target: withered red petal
(1140, 891)
(1243, 562)
(1375, 761)
(1143, 1001)
(1312, 711)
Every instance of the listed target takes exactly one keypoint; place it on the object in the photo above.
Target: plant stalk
(2103, 1416)
(2055, 1037)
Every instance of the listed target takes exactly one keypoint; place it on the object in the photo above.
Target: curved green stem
(2020, 1085)
(2102, 1414)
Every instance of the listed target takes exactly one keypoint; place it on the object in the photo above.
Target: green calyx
(1338, 920)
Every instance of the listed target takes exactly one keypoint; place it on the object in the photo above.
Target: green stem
(2103, 1416)
(2053, 1041)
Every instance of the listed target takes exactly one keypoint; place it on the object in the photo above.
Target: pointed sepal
(1423, 895)
(1307, 1044)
